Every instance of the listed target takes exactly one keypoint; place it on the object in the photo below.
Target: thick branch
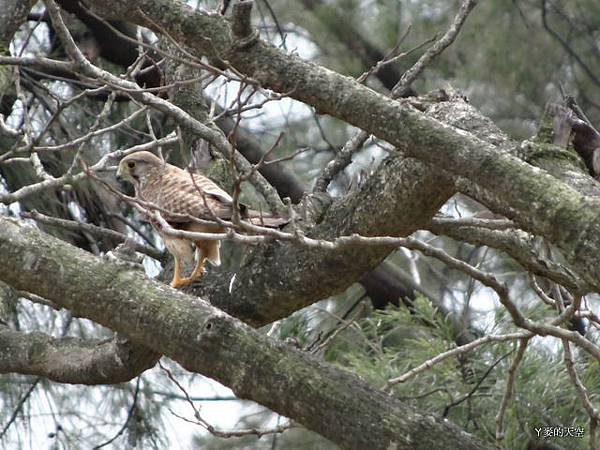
(396, 187)
(400, 197)
(381, 284)
(13, 14)
(71, 360)
(536, 200)
(205, 340)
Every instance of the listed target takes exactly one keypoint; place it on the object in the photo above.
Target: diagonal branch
(210, 134)
(401, 89)
(536, 200)
(205, 340)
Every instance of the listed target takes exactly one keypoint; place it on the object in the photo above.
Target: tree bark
(498, 178)
(71, 360)
(399, 198)
(203, 339)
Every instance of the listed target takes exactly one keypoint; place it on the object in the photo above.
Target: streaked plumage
(177, 192)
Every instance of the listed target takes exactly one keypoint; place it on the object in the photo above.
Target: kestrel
(179, 195)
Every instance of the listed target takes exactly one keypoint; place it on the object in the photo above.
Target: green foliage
(508, 65)
(391, 342)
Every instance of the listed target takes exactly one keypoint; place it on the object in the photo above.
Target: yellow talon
(197, 269)
(178, 281)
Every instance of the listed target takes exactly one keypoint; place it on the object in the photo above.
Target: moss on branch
(205, 340)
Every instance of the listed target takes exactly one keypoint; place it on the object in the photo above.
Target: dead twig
(199, 420)
(509, 390)
(344, 156)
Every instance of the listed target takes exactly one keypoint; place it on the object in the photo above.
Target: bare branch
(344, 156)
(469, 394)
(92, 229)
(454, 352)
(71, 360)
(211, 429)
(19, 406)
(202, 339)
(69, 179)
(214, 136)
(93, 133)
(582, 391)
(509, 390)
(436, 49)
(127, 419)
(561, 40)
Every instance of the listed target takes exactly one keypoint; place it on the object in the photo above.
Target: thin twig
(469, 394)
(129, 416)
(393, 56)
(207, 426)
(509, 391)
(92, 229)
(592, 412)
(344, 156)
(317, 347)
(491, 224)
(19, 406)
(93, 133)
(589, 71)
(436, 49)
(454, 352)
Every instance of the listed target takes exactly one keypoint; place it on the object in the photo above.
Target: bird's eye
(131, 164)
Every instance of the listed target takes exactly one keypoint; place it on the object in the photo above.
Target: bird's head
(135, 167)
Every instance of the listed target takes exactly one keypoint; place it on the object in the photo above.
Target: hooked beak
(119, 175)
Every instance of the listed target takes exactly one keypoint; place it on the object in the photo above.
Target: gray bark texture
(446, 149)
(72, 360)
(498, 177)
(203, 339)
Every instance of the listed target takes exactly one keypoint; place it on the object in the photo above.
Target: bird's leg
(198, 267)
(177, 280)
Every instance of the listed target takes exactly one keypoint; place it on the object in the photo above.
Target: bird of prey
(180, 196)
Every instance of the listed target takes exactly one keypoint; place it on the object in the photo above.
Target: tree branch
(71, 360)
(534, 199)
(205, 340)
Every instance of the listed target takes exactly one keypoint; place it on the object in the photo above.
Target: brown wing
(174, 190)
